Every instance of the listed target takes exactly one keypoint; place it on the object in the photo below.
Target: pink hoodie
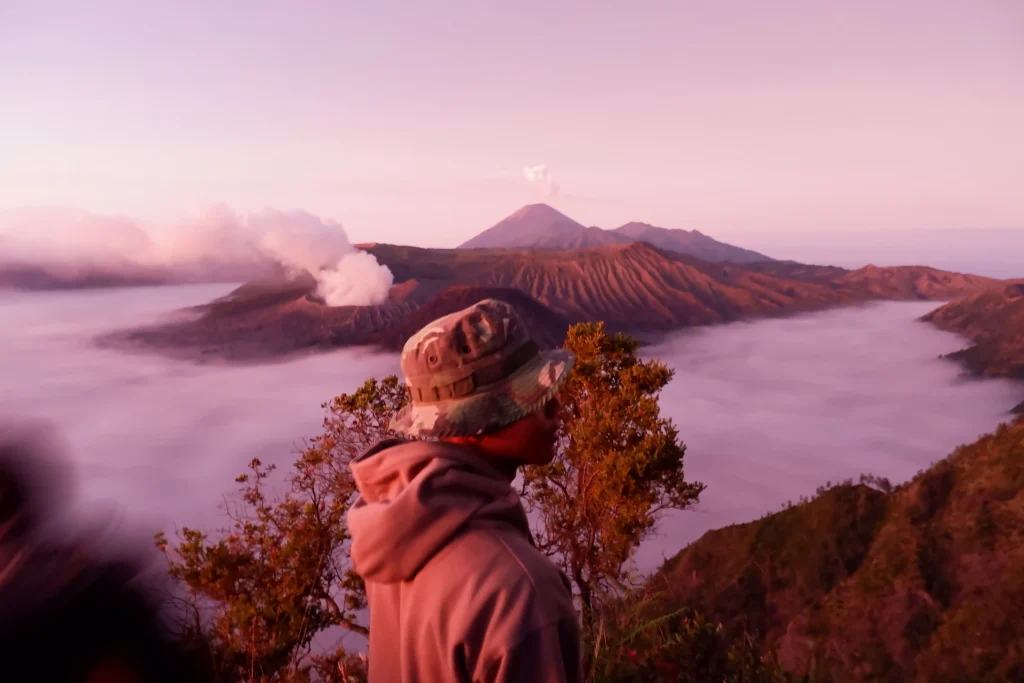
(457, 591)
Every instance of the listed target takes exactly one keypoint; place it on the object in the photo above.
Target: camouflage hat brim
(491, 407)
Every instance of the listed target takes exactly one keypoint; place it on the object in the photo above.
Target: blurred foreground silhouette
(74, 605)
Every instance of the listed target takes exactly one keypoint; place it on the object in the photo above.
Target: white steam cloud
(301, 241)
(218, 245)
(540, 176)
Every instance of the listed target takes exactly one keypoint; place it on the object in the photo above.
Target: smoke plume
(219, 245)
(541, 177)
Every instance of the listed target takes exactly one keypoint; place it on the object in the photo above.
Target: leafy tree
(257, 595)
(619, 465)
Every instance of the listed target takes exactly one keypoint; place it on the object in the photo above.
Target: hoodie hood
(414, 497)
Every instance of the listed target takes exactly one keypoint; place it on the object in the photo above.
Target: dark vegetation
(922, 583)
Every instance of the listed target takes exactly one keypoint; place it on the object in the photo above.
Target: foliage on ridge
(920, 584)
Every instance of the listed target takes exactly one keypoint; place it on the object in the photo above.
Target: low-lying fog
(769, 410)
(772, 409)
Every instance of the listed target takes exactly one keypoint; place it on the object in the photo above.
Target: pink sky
(412, 122)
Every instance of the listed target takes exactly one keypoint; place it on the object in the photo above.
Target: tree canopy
(257, 593)
(618, 465)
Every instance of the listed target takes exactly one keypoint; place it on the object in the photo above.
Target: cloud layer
(219, 245)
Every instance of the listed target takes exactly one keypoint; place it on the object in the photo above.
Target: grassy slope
(924, 584)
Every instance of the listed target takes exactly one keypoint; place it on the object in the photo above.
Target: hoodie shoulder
(487, 591)
(497, 569)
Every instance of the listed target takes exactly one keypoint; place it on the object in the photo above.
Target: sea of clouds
(769, 410)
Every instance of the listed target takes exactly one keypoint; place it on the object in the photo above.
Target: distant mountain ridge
(634, 287)
(692, 242)
(539, 226)
(32, 277)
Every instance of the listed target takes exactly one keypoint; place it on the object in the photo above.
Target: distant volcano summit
(539, 226)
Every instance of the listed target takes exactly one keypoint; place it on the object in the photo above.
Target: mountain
(538, 226)
(638, 287)
(920, 282)
(691, 242)
(273, 318)
(994, 321)
(261, 320)
(635, 288)
(798, 271)
(920, 583)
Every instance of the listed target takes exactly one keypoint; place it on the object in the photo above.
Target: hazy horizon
(218, 244)
(775, 126)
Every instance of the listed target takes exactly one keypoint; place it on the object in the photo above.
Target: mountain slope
(690, 242)
(920, 282)
(631, 287)
(994, 321)
(546, 327)
(921, 584)
(637, 286)
(264, 320)
(274, 319)
(798, 271)
(585, 239)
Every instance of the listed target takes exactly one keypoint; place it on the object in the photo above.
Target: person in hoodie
(456, 589)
